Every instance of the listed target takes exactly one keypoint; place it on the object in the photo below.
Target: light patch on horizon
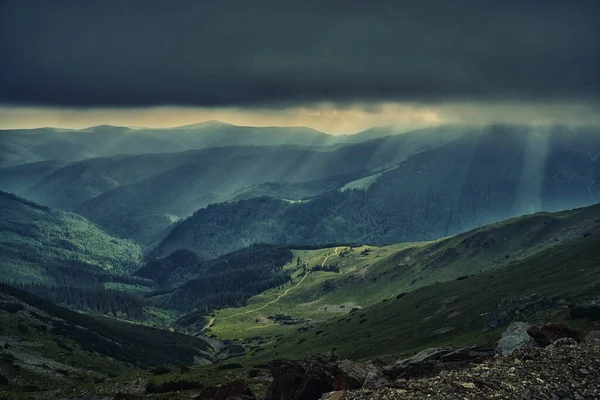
(327, 118)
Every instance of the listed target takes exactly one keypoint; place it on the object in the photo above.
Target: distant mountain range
(141, 196)
(300, 186)
(483, 176)
(33, 145)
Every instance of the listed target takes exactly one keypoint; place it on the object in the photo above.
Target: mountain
(462, 312)
(46, 246)
(43, 144)
(376, 301)
(356, 302)
(141, 196)
(485, 175)
(23, 146)
(33, 145)
(19, 179)
(70, 186)
(218, 134)
(375, 133)
(64, 258)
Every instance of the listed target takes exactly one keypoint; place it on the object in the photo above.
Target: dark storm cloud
(251, 52)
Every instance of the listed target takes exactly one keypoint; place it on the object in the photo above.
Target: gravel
(563, 370)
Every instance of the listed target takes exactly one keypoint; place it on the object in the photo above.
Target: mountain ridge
(496, 174)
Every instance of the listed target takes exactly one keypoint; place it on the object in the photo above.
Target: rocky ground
(563, 370)
(543, 361)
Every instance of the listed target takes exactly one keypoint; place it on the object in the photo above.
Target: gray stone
(515, 337)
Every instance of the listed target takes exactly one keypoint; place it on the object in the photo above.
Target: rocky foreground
(540, 362)
(563, 370)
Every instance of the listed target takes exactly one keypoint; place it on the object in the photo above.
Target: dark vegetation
(92, 299)
(223, 282)
(175, 268)
(130, 343)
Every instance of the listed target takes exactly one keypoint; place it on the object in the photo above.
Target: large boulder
(515, 337)
(431, 361)
(236, 390)
(470, 354)
(546, 334)
(309, 379)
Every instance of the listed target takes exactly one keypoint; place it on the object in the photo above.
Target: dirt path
(281, 295)
(210, 322)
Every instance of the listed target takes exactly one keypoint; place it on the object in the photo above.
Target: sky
(339, 66)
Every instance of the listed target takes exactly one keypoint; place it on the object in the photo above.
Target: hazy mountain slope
(68, 187)
(41, 245)
(27, 146)
(145, 209)
(33, 145)
(484, 176)
(21, 178)
(219, 134)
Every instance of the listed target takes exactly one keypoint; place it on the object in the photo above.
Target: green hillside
(543, 287)
(327, 284)
(41, 245)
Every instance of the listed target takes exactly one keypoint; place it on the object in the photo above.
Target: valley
(276, 200)
(166, 273)
(343, 299)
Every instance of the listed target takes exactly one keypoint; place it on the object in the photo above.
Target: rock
(309, 379)
(546, 334)
(434, 353)
(350, 373)
(470, 354)
(236, 390)
(432, 361)
(570, 373)
(424, 363)
(288, 379)
(592, 336)
(562, 342)
(515, 337)
(515, 308)
(337, 395)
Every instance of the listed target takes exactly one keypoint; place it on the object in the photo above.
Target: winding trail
(210, 322)
(281, 295)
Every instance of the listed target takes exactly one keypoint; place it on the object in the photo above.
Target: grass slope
(35, 240)
(368, 276)
(455, 312)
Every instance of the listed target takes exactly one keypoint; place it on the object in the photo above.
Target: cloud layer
(279, 53)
